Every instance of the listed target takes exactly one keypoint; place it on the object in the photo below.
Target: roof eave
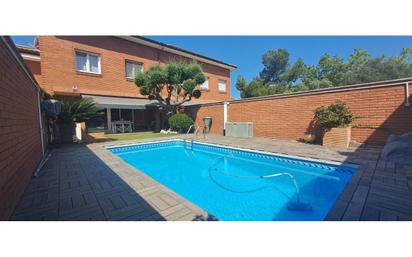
(178, 51)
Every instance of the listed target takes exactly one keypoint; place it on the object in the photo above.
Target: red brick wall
(59, 73)
(289, 116)
(20, 146)
(215, 111)
(337, 137)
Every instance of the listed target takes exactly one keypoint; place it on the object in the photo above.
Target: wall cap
(362, 86)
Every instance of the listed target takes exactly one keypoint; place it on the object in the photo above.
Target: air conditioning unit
(239, 129)
(52, 107)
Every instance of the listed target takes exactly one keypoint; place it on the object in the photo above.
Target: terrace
(87, 182)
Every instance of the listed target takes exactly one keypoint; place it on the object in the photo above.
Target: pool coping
(181, 210)
(301, 158)
(335, 213)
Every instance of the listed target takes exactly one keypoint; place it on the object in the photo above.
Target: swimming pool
(236, 184)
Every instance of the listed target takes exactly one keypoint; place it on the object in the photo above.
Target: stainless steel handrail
(191, 126)
(194, 134)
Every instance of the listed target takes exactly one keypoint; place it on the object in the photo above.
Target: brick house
(103, 68)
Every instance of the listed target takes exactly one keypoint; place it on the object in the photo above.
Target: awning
(122, 102)
(114, 102)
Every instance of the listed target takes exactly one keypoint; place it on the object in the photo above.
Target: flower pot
(337, 137)
(309, 137)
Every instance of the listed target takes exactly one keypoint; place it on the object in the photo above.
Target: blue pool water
(226, 182)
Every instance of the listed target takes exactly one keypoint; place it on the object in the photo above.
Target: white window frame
(133, 62)
(219, 83)
(88, 69)
(205, 85)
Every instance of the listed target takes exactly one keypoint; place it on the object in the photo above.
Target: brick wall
(215, 111)
(20, 145)
(59, 73)
(380, 109)
(337, 137)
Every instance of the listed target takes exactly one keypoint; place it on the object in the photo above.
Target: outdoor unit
(239, 129)
(52, 107)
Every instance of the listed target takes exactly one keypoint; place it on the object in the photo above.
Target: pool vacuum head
(299, 206)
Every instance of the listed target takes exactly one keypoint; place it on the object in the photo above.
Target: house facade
(104, 67)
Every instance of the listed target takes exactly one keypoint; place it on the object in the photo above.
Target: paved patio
(87, 182)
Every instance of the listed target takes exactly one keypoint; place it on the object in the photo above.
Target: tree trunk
(168, 112)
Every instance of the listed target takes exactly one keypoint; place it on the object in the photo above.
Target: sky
(246, 51)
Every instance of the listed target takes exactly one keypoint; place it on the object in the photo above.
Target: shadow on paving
(76, 185)
(381, 189)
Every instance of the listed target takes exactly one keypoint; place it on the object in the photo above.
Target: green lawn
(137, 135)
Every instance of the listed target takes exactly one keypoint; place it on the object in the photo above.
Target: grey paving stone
(154, 217)
(385, 216)
(370, 214)
(124, 213)
(356, 205)
(37, 214)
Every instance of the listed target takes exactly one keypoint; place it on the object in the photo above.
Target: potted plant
(334, 122)
(72, 112)
(309, 137)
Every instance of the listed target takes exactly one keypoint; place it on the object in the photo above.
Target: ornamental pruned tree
(171, 85)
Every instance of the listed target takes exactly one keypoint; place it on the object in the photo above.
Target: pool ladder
(187, 141)
(216, 161)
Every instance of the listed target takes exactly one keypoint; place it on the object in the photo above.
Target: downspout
(45, 156)
(40, 122)
(407, 103)
(225, 114)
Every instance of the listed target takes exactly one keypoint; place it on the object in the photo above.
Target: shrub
(79, 111)
(180, 122)
(335, 115)
(75, 111)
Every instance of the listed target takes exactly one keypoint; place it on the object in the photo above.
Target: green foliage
(257, 87)
(189, 85)
(79, 111)
(275, 63)
(331, 69)
(171, 85)
(180, 122)
(293, 73)
(281, 76)
(335, 115)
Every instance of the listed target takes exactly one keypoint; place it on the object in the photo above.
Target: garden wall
(380, 108)
(20, 140)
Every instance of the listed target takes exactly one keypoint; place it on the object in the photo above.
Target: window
(222, 85)
(205, 85)
(86, 62)
(132, 68)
